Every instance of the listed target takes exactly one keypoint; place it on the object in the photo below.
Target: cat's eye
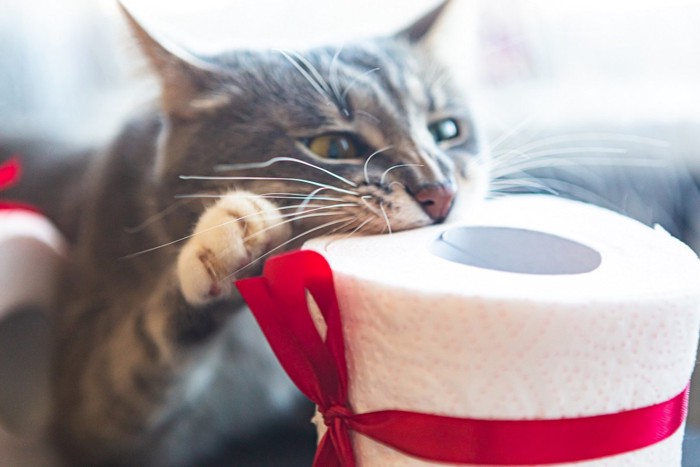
(444, 130)
(335, 146)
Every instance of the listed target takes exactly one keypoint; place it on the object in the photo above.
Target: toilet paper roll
(31, 251)
(538, 308)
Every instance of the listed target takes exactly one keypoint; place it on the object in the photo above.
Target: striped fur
(141, 376)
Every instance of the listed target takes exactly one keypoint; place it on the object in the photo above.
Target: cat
(247, 154)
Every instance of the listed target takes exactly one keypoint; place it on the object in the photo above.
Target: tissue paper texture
(429, 335)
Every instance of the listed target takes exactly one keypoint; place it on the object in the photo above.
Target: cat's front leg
(164, 376)
(227, 241)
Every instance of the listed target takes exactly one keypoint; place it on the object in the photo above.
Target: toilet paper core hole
(515, 250)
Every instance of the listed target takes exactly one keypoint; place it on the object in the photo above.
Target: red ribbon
(279, 302)
(10, 172)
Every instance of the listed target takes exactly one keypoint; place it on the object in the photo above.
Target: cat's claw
(236, 230)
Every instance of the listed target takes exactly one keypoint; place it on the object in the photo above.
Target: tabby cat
(247, 154)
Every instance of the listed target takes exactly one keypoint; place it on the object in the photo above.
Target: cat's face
(371, 136)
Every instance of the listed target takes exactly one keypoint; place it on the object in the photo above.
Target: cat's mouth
(375, 211)
(393, 212)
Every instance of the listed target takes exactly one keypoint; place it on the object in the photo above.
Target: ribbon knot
(339, 413)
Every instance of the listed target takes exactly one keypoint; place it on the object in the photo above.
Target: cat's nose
(436, 200)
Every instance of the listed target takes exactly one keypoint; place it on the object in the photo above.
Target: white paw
(236, 230)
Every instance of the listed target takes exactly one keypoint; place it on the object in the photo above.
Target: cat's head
(372, 136)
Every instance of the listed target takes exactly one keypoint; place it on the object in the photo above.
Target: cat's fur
(157, 362)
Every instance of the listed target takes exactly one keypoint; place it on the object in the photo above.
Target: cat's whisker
(350, 234)
(369, 206)
(356, 80)
(572, 150)
(291, 196)
(508, 158)
(187, 237)
(368, 116)
(520, 126)
(574, 162)
(283, 195)
(330, 92)
(297, 217)
(308, 199)
(483, 158)
(340, 228)
(595, 137)
(386, 218)
(343, 226)
(282, 245)
(505, 177)
(314, 71)
(397, 166)
(334, 82)
(155, 217)
(570, 155)
(321, 207)
(281, 179)
(563, 187)
(274, 160)
(514, 130)
(302, 195)
(294, 215)
(518, 183)
(360, 227)
(498, 194)
(564, 162)
(317, 85)
(378, 151)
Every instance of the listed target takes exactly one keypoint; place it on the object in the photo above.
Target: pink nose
(436, 200)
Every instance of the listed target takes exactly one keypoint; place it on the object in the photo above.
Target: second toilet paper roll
(539, 308)
(31, 253)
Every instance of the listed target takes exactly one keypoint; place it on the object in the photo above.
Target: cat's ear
(420, 28)
(187, 82)
(448, 32)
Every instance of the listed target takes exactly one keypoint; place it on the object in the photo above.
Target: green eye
(444, 130)
(334, 146)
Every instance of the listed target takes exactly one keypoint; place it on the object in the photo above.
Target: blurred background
(591, 99)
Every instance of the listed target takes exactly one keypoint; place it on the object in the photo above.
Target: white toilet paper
(606, 321)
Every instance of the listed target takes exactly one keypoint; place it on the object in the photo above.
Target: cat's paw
(229, 235)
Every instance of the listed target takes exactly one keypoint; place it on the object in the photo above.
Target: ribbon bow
(10, 172)
(279, 302)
